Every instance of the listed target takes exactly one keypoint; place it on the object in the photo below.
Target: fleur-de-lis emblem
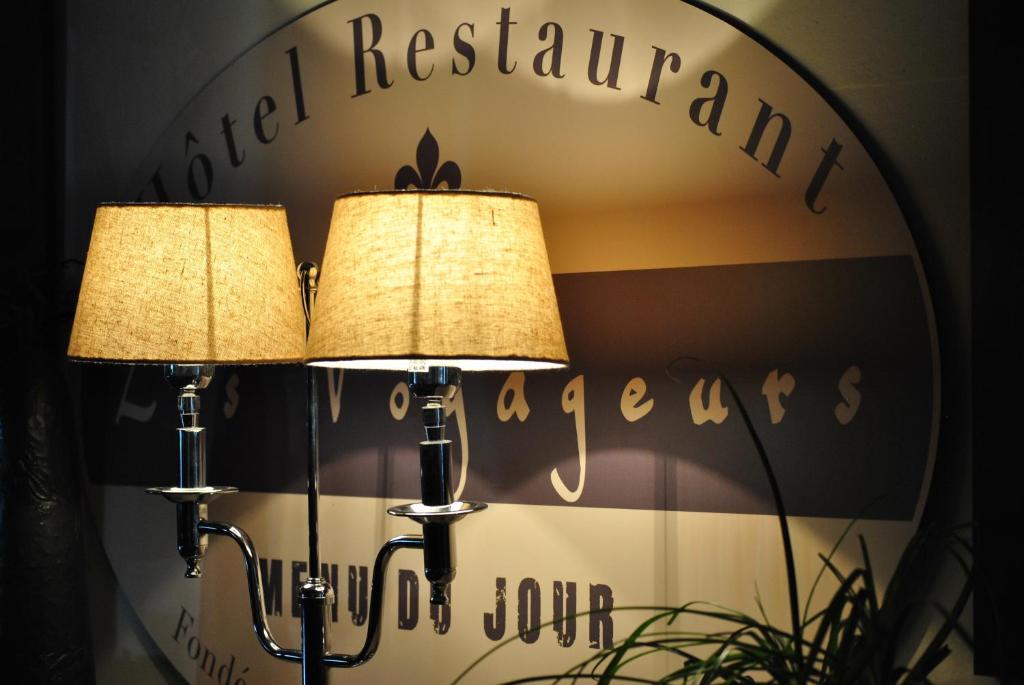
(425, 178)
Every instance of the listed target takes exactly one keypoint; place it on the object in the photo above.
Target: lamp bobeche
(429, 282)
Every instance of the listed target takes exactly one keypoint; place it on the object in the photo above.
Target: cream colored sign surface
(653, 141)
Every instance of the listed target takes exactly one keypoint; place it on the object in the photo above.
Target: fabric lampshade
(190, 284)
(454, 278)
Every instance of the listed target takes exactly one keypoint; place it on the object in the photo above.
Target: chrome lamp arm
(376, 603)
(256, 603)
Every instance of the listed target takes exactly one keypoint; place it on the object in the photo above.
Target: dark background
(997, 285)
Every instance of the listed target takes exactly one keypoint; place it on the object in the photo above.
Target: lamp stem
(308, 274)
(189, 379)
(434, 385)
(313, 475)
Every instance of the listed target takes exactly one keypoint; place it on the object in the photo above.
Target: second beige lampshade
(190, 284)
(453, 278)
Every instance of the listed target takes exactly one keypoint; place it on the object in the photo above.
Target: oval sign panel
(708, 214)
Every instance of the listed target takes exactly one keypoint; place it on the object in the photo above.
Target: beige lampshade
(459, 278)
(174, 283)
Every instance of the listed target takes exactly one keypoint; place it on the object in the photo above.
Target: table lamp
(189, 287)
(434, 283)
(426, 282)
